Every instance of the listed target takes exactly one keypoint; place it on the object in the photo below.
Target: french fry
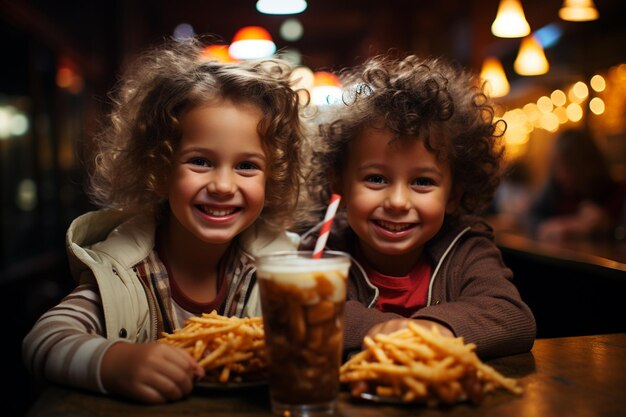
(417, 364)
(230, 349)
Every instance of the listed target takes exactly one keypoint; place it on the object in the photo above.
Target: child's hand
(399, 324)
(149, 372)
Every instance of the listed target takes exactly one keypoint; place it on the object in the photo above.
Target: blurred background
(62, 57)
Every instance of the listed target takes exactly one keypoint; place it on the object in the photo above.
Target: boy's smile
(396, 195)
(393, 229)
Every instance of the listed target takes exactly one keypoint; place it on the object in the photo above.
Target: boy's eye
(375, 179)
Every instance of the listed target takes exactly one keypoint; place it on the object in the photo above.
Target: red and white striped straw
(328, 222)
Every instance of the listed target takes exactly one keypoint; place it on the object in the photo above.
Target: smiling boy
(414, 154)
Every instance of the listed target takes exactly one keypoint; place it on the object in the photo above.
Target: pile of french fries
(230, 349)
(419, 365)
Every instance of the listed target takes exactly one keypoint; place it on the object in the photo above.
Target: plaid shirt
(240, 278)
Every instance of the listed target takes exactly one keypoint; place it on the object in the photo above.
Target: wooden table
(572, 376)
(604, 255)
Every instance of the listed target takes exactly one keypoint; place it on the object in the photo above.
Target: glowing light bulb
(281, 6)
(531, 59)
(510, 21)
(578, 10)
(493, 73)
(252, 42)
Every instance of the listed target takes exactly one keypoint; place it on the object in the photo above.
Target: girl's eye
(423, 182)
(202, 162)
(375, 179)
(247, 166)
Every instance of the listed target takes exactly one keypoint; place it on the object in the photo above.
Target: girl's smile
(217, 185)
(218, 214)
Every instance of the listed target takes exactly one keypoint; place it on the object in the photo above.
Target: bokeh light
(598, 83)
(291, 30)
(596, 105)
(558, 98)
(574, 112)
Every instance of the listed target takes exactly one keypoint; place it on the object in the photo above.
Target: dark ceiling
(101, 35)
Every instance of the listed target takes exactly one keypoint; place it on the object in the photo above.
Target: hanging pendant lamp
(493, 73)
(531, 60)
(252, 42)
(510, 21)
(578, 10)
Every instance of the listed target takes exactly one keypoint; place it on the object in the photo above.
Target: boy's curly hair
(416, 99)
(132, 155)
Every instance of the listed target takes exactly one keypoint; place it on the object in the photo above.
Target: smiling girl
(197, 172)
(413, 151)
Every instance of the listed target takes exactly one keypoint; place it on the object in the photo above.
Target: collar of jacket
(108, 231)
(342, 238)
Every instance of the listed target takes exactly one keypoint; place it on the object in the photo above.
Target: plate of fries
(417, 365)
(230, 349)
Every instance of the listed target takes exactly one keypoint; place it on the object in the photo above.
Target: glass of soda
(302, 300)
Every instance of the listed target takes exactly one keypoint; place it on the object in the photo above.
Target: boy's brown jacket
(471, 290)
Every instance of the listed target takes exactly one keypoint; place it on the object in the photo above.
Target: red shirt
(402, 295)
(187, 303)
(193, 306)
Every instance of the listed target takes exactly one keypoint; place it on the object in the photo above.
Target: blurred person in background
(512, 198)
(579, 199)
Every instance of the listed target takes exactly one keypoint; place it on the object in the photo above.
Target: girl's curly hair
(416, 99)
(132, 155)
